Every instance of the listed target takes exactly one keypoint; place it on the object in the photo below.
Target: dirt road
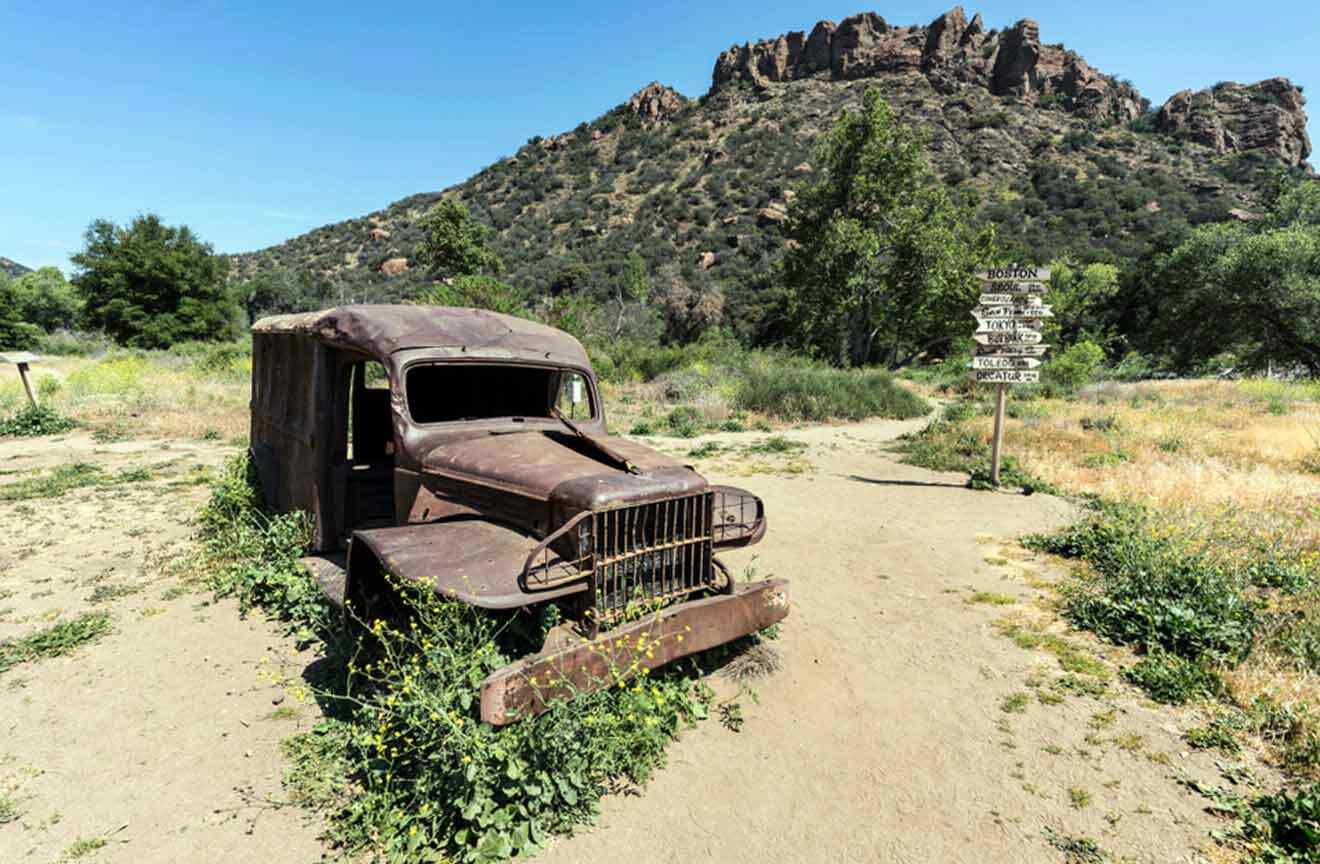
(900, 728)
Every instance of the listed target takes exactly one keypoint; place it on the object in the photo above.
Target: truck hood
(564, 469)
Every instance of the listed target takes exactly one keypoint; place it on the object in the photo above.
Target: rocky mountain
(1064, 159)
(12, 268)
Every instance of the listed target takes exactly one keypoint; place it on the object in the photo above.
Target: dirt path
(882, 737)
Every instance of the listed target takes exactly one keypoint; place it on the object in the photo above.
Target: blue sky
(254, 122)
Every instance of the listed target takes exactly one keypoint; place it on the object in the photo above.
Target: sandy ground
(881, 738)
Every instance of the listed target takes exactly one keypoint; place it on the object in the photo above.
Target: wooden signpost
(21, 359)
(1009, 320)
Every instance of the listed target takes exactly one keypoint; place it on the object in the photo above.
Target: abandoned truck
(467, 451)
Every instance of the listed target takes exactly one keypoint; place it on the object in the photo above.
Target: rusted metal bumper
(528, 686)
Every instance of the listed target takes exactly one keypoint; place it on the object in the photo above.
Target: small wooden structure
(22, 359)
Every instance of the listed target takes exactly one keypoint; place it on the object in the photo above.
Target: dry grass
(140, 395)
(1232, 458)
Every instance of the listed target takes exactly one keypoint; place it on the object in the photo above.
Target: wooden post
(27, 384)
(998, 445)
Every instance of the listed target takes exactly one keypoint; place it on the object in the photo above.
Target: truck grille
(650, 553)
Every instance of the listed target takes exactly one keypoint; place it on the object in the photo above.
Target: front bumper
(528, 686)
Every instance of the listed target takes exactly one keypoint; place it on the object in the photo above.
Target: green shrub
(1152, 593)
(1072, 369)
(35, 421)
(1287, 825)
(805, 391)
(1173, 680)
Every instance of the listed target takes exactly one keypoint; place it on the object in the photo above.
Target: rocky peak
(1268, 115)
(656, 102)
(951, 52)
(12, 268)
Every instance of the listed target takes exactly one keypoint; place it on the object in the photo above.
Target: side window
(375, 377)
(574, 400)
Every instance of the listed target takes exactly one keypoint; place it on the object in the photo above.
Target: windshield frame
(523, 421)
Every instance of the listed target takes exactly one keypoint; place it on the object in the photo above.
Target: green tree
(1252, 290)
(151, 285)
(15, 333)
(281, 290)
(1082, 299)
(454, 244)
(478, 292)
(881, 261)
(634, 286)
(45, 299)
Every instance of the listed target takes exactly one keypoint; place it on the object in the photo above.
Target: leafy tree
(15, 333)
(881, 262)
(1253, 290)
(151, 285)
(1083, 302)
(45, 299)
(633, 287)
(454, 244)
(478, 292)
(282, 290)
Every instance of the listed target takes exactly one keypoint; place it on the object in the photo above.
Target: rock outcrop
(12, 268)
(951, 51)
(1269, 115)
(656, 102)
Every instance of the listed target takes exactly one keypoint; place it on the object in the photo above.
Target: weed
(1103, 719)
(1129, 742)
(643, 426)
(61, 479)
(1172, 679)
(1078, 797)
(56, 641)
(710, 448)
(1286, 825)
(1015, 703)
(991, 598)
(1071, 657)
(1076, 850)
(731, 716)
(35, 421)
(107, 593)
(1215, 735)
(944, 446)
(11, 810)
(776, 444)
(83, 847)
(684, 422)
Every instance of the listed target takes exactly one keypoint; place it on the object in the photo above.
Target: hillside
(12, 268)
(1063, 158)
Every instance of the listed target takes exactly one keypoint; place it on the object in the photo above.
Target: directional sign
(1007, 376)
(1013, 350)
(1016, 273)
(1037, 311)
(1006, 325)
(1023, 288)
(1020, 337)
(980, 362)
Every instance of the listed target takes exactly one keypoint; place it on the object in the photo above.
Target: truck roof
(381, 329)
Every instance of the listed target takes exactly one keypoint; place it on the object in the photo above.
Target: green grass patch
(70, 476)
(56, 641)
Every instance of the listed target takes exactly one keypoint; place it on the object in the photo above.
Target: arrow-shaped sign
(1039, 310)
(1026, 288)
(1011, 350)
(1007, 325)
(1004, 363)
(1018, 337)
(1007, 376)
(1015, 273)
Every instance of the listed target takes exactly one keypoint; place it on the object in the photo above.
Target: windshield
(448, 392)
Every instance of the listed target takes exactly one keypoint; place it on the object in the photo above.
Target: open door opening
(369, 496)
